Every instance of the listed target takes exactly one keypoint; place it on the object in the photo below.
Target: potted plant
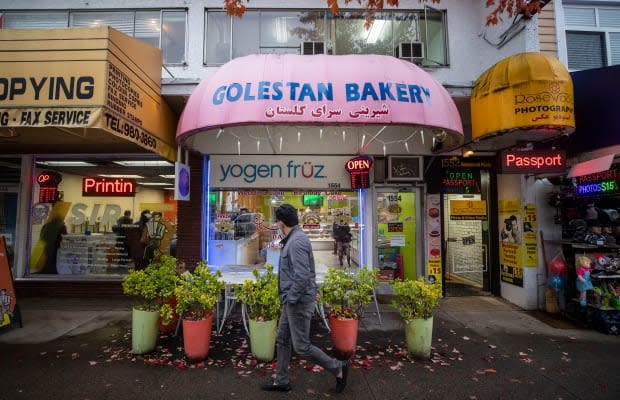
(346, 293)
(153, 287)
(415, 300)
(197, 294)
(261, 299)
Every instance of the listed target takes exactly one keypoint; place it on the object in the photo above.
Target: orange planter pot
(197, 337)
(344, 336)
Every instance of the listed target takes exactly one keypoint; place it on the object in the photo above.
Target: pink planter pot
(344, 337)
(197, 337)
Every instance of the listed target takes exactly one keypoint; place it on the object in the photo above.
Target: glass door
(466, 235)
(396, 232)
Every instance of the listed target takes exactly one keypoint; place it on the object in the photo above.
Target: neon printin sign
(117, 187)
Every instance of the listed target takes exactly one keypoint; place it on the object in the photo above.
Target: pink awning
(322, 90)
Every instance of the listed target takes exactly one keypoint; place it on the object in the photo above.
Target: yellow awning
(87, 89)
(530, 94)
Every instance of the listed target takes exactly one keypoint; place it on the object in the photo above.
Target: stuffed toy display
(584, 281)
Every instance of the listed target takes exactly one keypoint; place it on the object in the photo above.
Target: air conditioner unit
(410, 51)
(310, 48)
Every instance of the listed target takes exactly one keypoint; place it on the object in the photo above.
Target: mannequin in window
(155, 231)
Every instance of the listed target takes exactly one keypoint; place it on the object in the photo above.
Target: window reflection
(315, 32)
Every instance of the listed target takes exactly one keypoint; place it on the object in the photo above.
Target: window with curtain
(592, 36)
(30, 20)
(585, 50)
(166, 29)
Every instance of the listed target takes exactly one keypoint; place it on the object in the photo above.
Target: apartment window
(312, 32)
(592, 36)
(35, 20)
(585, 50)
(275, 32)
(165, 29)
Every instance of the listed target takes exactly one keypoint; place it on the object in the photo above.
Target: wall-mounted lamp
(468, 152)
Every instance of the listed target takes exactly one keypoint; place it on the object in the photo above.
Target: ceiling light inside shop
(154, 183)
(127, 176)
(67, 163)
(167, 176)
(144, 163)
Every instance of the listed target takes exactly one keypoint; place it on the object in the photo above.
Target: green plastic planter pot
(144, 331)
(263, 339)
(419, 335)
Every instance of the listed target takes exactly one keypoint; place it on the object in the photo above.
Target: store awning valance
(319, 104)
(82, 90)
(524, 97)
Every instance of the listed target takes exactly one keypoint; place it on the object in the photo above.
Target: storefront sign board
(533, 162)
(282, 172)
(287, 89)
(82, 79)
(526, 91)
(468, 209)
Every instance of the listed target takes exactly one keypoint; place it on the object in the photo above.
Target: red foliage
(527, 8)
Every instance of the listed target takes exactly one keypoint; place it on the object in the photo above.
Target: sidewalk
(484, 348)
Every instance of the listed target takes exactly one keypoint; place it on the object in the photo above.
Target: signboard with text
(285, 172)
(605, 182)
(533, 162)
(359, 170)
(468, 210)
(111, 187)
(106, 80)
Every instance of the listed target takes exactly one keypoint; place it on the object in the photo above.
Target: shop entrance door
(466, 235)
(396, 240)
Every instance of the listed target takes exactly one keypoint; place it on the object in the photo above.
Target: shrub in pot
(415, 300)
(261, 299)
(152, 287)
(197, 294)
(346, 293)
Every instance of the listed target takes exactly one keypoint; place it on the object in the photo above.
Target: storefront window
(8, 214)
(243, 229)
(100, 217)
(10, 170)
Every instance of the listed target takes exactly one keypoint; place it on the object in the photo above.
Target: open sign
(359, 167)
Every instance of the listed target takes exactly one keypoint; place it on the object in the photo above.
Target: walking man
(297, 287)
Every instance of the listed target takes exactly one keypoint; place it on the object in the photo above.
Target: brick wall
(189, 230)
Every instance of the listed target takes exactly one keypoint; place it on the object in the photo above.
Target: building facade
(419, 223)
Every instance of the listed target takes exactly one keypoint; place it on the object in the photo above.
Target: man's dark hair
(287, 214)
